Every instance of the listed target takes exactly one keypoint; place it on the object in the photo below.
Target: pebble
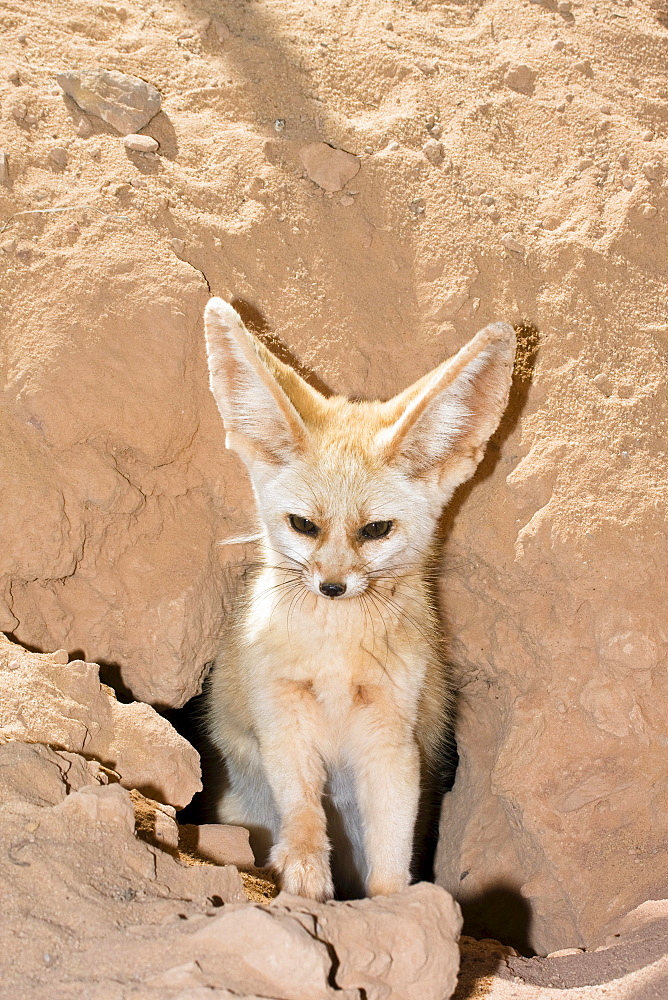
(605, 109)
(346, 200)
(368, 150)
(648, 211)
(652, 171)
(564, 7)
(138, 182)
(558, 45)
(84, 129)
(418, 206)
(561, 108)
(179, 247)
(222, 31)
(329, 168)
(436, 131)
(8, 246)
(95, 153)
(59, 156)
(60, 656)
(583, 66)
(124, 102)
(520, 77)
(13, 77)
(510, 243)
(623, 160)
(140, 143)
(628, 182)
(392, 145)
(279, 125)
(486, 199)
(4, 168)
(648, 136)
(603, 384)
(585, 163)
(433, 150)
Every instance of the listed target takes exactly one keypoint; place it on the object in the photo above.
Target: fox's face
(349, 494)
(343, 518)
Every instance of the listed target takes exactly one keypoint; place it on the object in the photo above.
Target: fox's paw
(307, 875)
(387, 883)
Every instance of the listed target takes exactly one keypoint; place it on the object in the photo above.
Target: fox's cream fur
(328, 705)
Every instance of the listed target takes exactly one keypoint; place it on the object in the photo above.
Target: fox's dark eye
(376, 529)
(303, 525)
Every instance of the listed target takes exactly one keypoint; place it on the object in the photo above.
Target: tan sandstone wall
(511, 167)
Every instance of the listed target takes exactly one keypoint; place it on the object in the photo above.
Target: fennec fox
(329, 695)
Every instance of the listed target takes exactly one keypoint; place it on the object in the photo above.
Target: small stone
(84, 129)
(95, 153)
(628, 182)
(603, 384)
(558, 45)
(486, 199)
(368, 150)
(564, 6)
(648, 211)
(279, 125)
(583, 66)
(433, 150)
(4, 167)
(418, 206)
(346, 200)
(605, 109)
(9, 246)
(585, 163)
(140, 143)
(388, 26)
(124, 102)
(60, 656)
(59, 156)
(510, 243)
(179, 247)
(329, 168)
(138, 182)
(565, 951)
(436, 131)
(520, 78)
(570, 98)
(20, 111)
(623, 160)
(222, 31)
(73, 229)
(652, 171)
(647, 136)
(561, 108)
(13, 77)
(22, 39)
(392, 145)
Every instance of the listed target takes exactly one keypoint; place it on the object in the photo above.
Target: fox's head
(350, 493)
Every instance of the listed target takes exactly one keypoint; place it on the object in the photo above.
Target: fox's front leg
(387, 771)
(296, 774)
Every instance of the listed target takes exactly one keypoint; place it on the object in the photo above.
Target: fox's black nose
(332, 589)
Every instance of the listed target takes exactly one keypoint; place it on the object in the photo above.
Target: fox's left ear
(441, 424)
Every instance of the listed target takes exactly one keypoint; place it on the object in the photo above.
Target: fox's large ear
(440, 425)
(260, 420)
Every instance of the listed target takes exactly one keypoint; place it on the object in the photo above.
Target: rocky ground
(370, 183)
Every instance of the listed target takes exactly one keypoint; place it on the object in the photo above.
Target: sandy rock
(520, 77)
(64, 705)
(219, 843)
(329, 168)
(124, 102)
(75, 871)
(401, 947)
(140, 143)
(433, 150)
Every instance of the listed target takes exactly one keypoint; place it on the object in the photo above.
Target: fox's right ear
(261, 422)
